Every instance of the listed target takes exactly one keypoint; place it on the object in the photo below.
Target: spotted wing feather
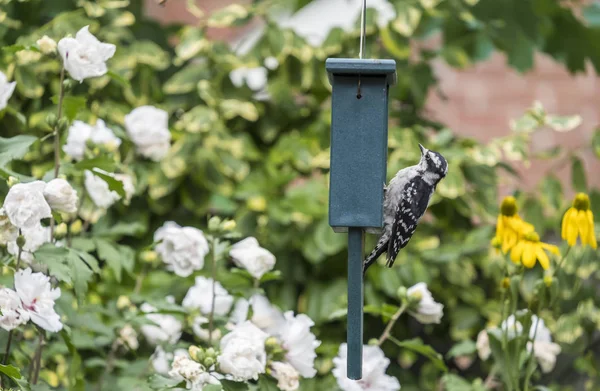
(413, 203)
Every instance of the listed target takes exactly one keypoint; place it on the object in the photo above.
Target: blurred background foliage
(262, 158)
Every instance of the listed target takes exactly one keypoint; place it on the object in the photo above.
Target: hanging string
(363, 23)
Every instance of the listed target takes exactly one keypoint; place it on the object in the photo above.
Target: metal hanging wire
(363, 34)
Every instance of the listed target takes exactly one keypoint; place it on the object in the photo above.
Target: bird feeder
(359, 128)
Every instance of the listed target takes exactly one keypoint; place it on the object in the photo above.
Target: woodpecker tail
(379, 249)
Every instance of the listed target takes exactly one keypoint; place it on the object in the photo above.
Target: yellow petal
(550, 247)
(572, 228)
(529, 253)
(592, 238)
(565, 222)
(499, 226)
(516, 252)
(542, 257)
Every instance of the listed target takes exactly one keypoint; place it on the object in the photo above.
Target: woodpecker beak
(423, 149)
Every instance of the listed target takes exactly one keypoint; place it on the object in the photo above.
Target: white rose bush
(164, 220)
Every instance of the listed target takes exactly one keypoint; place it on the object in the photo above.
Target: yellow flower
(529, 250)
(510, 227)
(579, 221)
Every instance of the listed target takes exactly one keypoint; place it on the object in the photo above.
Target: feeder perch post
(359, 124)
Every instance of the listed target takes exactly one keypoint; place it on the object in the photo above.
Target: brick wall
(481, 100)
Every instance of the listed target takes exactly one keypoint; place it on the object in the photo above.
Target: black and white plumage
(405, 202)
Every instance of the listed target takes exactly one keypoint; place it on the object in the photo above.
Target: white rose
(264, 314)
(271, 63)
(79, 134)
(129, 337)
(255, 259)
(46, 45)
(25, 204)
(299, 343)
(85, 56)
(98, 190)
(428, 310)
(512, 327)
(101, 135)
(255, 78)
(544, 350)
(34, 238)
(187, 369)
(61, 196)
(128, 186)
(243, 354)
(373, 372)
(288, 378)
(6, 90)
(13, 315)
(167, 328)
(148, 128)
(8, 232)
(200, 297)
(160, 360)
(182, 248)
(202, 332)
(483, 345)
(37, 298)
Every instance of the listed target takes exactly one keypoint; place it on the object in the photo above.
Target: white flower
(512, 327)
(271, 63)
(167, 328)
(288, 378)
(25, 204)
(203, 333)
(37, 298)
(81, 133)
(98, 190)
(13, 315)
(129, 337)
(200, 297)
(8, 232)
(46, 45)
(148, 128)
(34, 238)
(6, 90)
(160, 360)
(428, 310)
(243, 354)
(128, 186)
(102, 135)
(264, 314)
(61, 196)
(186, 368)
(255, 78)
(255, 259)
(85, 56)
(299, 343)
(544, 350)
(182, 248)
(483, 345)
(373, 374)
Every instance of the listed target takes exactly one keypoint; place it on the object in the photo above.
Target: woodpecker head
(433, 164)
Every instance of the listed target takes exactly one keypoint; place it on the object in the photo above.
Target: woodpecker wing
(412, 206)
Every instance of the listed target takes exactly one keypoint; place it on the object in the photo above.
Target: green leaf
(463, 348)
(266, 383)
(75, 373)
(158, 382)
(28, 83)
(186, 79)
(212, 387)
(121, 81)
(113, 183)
(229, 385)
(101, 162)
(71, 105)
(14, 148)
(111, 255)
(232, 108)
(10, 371)
(416, 345)
(578, 178)
(228, 16)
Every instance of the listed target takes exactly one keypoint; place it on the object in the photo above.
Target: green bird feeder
(359, 128)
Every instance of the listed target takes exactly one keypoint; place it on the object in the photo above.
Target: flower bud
(62, 124)
(209, 362)
(60, 231)
(373, 342)
(148, 256)
(123, 302)
(195, 352)
(505, 283)
(229, 225)
(51, 120)
(68, 84)
(46, 45)
(210, 352)
(271, 343)
(76, 227)
(401, 293)
(12, 181)
(21, 241)
(548, 280)
(213, 223)
(257, 204)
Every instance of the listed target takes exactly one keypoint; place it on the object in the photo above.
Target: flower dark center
(508, 206)
(581, 202)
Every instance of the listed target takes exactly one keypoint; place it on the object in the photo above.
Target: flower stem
(38, 358)
(211, 316)
(529, 372)
(110, 363)
(57, 127)
(391, 323)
